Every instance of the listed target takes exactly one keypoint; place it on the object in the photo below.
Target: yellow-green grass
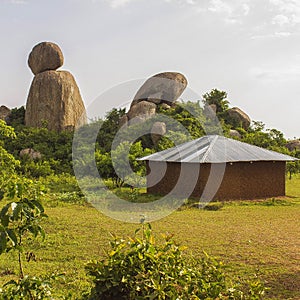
(252, 237)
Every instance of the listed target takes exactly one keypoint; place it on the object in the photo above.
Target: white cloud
(246, 9)
(279, 73)
(280, 34)
(18, 1)
(289, 12)
(118, 3)
(220, 6)
(281, 20)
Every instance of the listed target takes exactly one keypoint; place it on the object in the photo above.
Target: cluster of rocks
(31, 154)
(4, 113)
(54, 99)
(163, 90)
(293, 145)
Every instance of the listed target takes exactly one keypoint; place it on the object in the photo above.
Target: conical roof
(216, 149)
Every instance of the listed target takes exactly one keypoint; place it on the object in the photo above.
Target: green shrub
(27, 288)
(139, 268)
(62, 183)
(214, 206)
(35, 169)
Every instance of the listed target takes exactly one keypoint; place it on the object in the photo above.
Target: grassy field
(254, 238)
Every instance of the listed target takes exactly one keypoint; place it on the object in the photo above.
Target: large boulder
(210, 111)
(239, 117)
(123, 121)
(234, 133)
(54, 100)
(4, 113)
(140, 112)
(158, 130)
(161, 88)
(293, 145)
(45, 56)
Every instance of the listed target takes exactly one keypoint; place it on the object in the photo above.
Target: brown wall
(241, 180)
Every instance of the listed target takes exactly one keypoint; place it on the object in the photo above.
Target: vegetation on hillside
(184, 119)
(29, 184)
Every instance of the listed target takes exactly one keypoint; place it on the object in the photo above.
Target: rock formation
(239, 117)
(164, 87)
(30, 153)
(293, 145)
(4, 113)
(161, 90)
(234, 133)
(158, 130)
(210, 111)
(141, 111)
(45, 56)
(54, 99)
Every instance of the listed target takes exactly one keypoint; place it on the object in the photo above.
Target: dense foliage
(183, 121)
(141, 268)
(137, 268)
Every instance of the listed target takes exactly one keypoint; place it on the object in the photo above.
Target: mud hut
(216, 167)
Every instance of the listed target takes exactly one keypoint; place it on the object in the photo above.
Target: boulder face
(30, 153)
(234, 133)
(140, 112)
(54, 100)
(161, 88)
(123, 121)
(158, 130)
(210, 111)
(4, 113)
(293, 145)
(238, 116)
(45, 56)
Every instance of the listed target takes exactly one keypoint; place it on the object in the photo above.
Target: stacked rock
(54, 98)
(160, 90)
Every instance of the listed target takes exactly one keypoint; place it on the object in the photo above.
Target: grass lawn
(252, 237)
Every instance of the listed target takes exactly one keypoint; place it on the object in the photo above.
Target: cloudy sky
(249, 48)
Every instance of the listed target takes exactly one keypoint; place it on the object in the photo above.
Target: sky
(248, 48)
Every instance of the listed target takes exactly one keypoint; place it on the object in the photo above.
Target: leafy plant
(139, 268)
(27, 288)
(20, 220)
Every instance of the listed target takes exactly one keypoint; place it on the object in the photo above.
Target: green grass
(253, 237)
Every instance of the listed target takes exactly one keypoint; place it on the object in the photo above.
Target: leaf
(5, 221)
(4, 210)
(38, 205)
(3, 241)
(11, 282)
(12, 236)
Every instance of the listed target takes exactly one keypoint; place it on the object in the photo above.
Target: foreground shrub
(27, 288)
(139, 268)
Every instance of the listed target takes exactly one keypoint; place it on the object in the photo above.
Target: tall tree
(217, 98)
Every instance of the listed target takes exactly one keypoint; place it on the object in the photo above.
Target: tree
(217, 98)
(121, 163)
(8, 163)
(109, 128)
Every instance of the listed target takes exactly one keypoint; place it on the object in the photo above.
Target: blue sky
(249, 48)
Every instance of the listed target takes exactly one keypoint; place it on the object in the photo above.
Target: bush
(141, 269)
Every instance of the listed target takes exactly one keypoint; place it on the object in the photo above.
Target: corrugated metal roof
(216, 149)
